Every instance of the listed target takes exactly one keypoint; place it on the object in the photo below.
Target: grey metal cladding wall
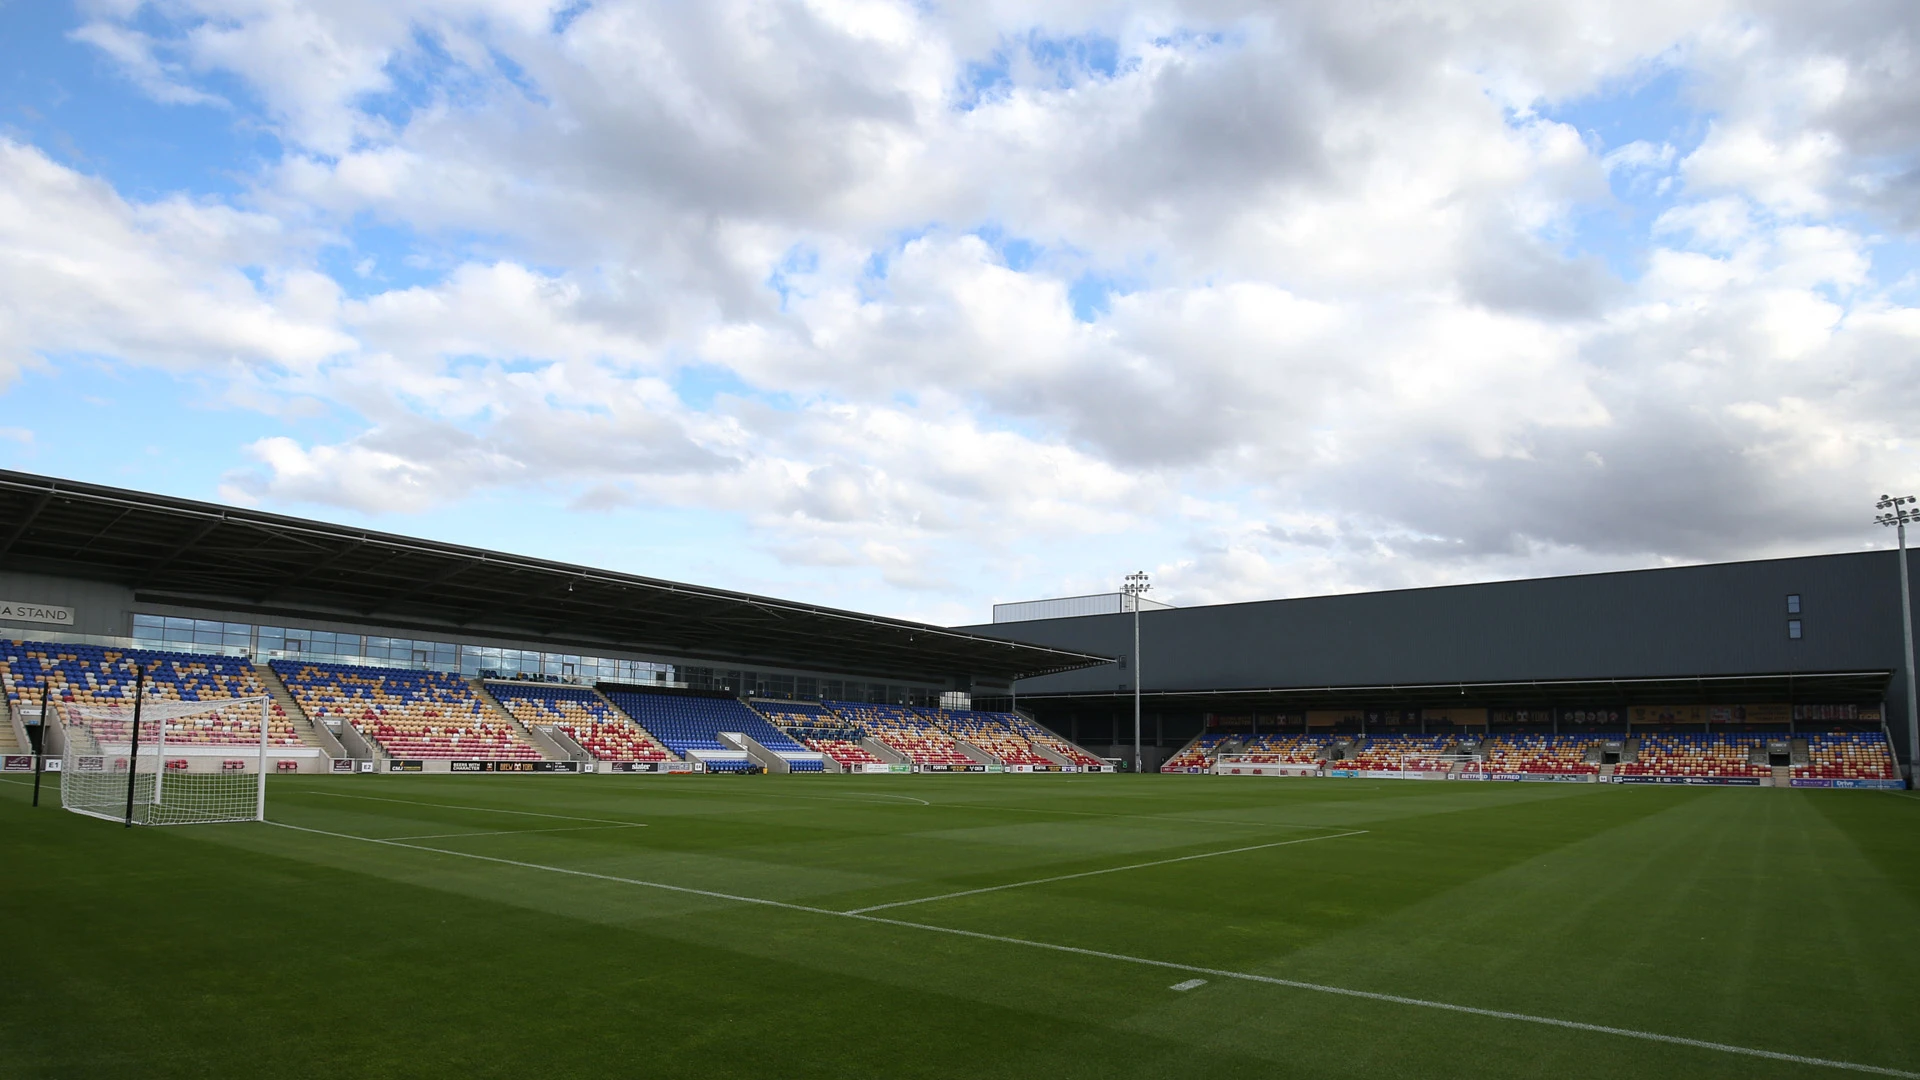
(1721, 619)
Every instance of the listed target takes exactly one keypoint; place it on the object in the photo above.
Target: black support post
(40, 747)
(133, 747)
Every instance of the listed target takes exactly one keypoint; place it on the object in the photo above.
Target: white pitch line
(1192, 969)
(778, 795)
(520, 832)
(1138, 817)
(1096, 873)
(458, 806)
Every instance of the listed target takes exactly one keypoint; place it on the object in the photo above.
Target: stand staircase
(311, 734)
(548, 748)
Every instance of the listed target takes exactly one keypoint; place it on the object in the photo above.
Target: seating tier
(91, 675)
(1696, 754)
(599, 728)
(690, 723)
(1284, 749)
(996, 733)
(410, 714)
(1539, 754)
(1196, 755)
(905, 730)
(1410, 753)
(1848, 755)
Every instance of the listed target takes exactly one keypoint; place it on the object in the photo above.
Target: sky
(914, 307)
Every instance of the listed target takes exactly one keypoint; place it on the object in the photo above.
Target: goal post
(188, 765)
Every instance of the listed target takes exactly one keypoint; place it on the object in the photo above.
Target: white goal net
(192, 762)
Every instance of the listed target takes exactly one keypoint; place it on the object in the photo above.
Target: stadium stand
(922, 741)
(1289, 749)
(1541, 755)
(599, 728)
(818, 729)
(410, 714)
(93, 675)
(1408, 753)
(994, 733)
(693, 724)
(1704, 754)
(1041, 737)
(1848, 755)
(1196, 756)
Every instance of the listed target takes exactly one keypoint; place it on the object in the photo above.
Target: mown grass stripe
(1107, 870)
(1169, 965)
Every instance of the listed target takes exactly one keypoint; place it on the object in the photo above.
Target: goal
(192, 762)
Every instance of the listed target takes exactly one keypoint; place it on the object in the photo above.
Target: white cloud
(1293, 296)
(84, 271)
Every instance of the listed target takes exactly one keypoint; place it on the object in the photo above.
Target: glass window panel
(149, 622)
(179, 624)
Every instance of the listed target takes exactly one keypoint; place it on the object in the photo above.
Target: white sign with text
(21, 611)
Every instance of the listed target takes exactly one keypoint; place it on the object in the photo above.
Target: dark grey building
(1814, 637)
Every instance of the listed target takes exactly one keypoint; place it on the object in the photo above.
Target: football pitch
(719, 926)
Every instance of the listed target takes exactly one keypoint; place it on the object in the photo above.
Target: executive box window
(1793, 604)
(1793, 629)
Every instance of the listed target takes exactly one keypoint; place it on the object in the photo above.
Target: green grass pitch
(697, 926)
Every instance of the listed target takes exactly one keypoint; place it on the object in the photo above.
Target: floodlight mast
(1897, 512)
(1136, 587)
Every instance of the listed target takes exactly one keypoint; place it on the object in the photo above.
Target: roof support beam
(190, 538)
(312, 568)
(445, 575)
(26, 520)
(104, 530)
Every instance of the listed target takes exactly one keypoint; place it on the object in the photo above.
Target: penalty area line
(519, 832)
(1167, 965)
(1097, 873)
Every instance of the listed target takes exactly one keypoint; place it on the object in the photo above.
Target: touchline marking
(520, 832)
(1096, 873)
(458, 806)
(1169, 965)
